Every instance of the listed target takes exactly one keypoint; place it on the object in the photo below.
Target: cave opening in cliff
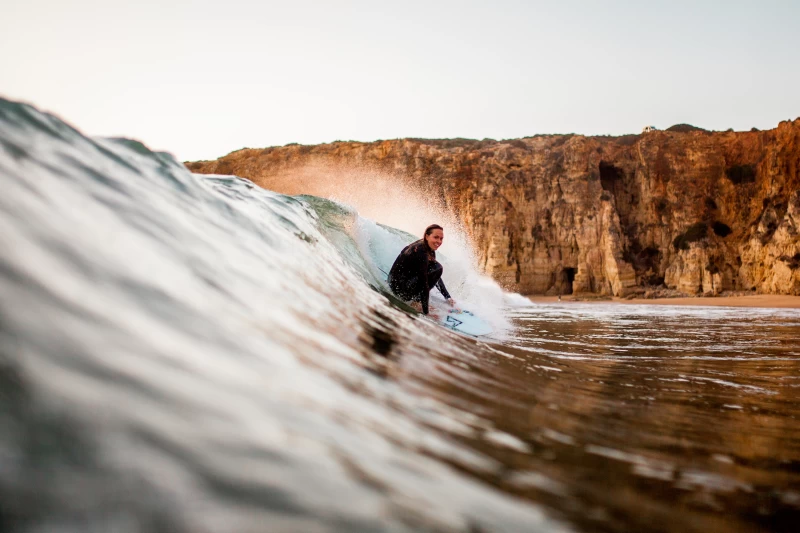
(566, 278)
(609, 176)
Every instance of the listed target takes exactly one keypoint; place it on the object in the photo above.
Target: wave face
(197, 354)
(194, 353)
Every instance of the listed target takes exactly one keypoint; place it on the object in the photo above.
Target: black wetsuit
(415, 272)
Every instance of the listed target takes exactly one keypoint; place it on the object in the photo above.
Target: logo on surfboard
(453, 322)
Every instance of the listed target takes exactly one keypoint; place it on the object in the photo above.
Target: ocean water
(186, 353)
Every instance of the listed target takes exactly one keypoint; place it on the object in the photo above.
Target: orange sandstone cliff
(689, 210)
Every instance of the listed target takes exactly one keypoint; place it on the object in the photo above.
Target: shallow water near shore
(183, 353)
(637, 417)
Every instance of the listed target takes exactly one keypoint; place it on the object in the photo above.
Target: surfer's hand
(451, 302)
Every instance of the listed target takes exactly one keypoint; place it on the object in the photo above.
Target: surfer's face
(435, 239)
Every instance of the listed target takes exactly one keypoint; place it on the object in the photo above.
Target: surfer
(416, 271)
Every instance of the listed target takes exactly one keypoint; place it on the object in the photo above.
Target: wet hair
(429, 230)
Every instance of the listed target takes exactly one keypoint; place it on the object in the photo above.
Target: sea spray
(387, 212)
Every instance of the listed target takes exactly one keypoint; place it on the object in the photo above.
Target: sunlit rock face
(701, 212)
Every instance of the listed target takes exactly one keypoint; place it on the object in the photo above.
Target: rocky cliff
(695, 211)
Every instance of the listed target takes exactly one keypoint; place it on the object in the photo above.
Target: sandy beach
(755, 300)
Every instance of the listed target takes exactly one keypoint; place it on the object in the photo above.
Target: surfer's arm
(443, 289)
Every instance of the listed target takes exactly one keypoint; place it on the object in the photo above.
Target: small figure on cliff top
(416, 271)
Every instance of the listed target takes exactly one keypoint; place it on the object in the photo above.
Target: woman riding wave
(416, 270)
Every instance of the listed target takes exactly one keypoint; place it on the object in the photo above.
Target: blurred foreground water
(193, 353)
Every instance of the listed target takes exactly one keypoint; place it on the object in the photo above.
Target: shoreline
(774, 301)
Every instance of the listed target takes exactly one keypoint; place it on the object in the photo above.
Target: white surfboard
(464, 321)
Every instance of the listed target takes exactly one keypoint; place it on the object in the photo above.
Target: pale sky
(203, 78)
